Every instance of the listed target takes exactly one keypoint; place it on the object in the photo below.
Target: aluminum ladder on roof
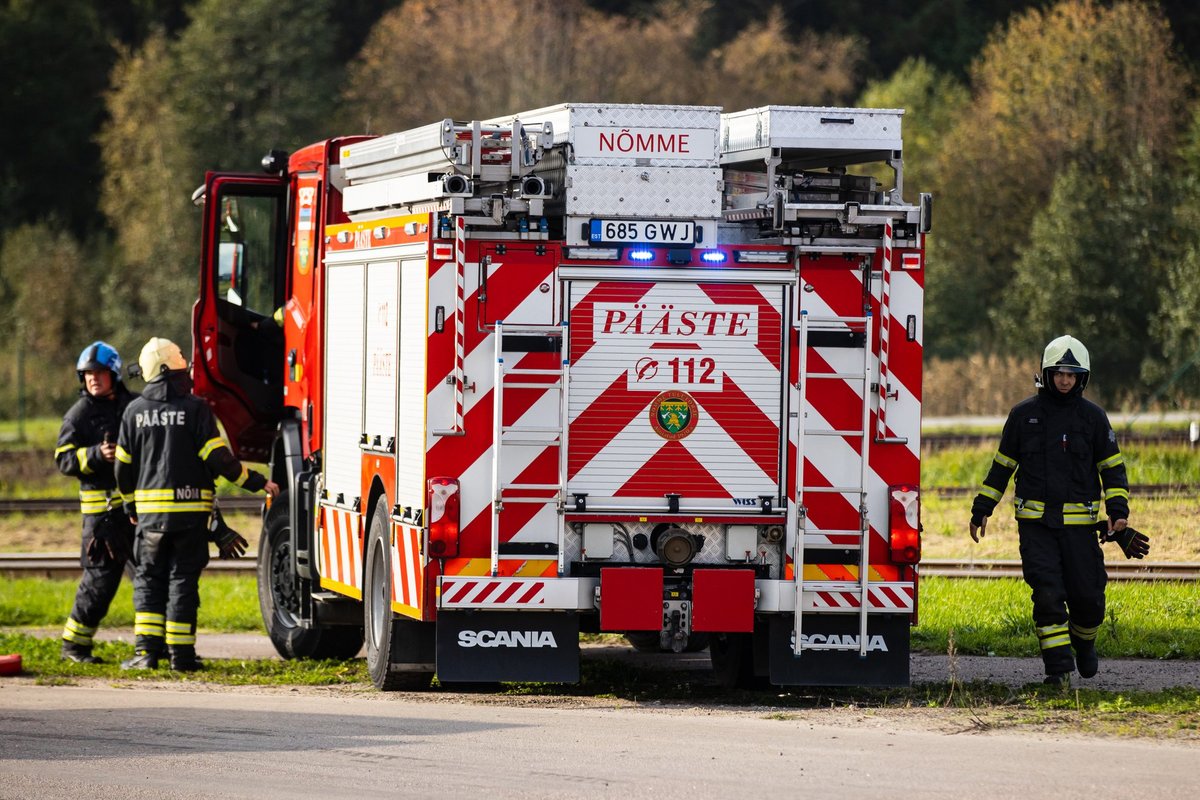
(863, 433)
(507, 437)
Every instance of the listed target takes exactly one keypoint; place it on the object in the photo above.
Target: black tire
(732, 656)
(383, 629)
(280, 595)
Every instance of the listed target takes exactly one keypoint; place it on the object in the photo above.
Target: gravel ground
(1118, 675)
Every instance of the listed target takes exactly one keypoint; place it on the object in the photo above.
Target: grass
(1170, 523)
(228, 603)
(992, 617)
(1144, 463)
(984, 617)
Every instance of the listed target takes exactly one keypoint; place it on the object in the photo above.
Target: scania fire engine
(643, 369)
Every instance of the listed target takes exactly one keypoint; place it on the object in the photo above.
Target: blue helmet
(99, 355)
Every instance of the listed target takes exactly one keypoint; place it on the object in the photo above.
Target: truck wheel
(281, 593)
(388, 635)
(732, 657)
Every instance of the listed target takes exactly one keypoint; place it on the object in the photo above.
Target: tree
(149, 174)
(430, 60)
(55, 59)
(251, 76)
(1092, 268)
(932, 102)
(1176, 327)
(50, 289)
(1078, 83)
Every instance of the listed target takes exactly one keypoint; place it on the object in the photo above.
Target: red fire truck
(644, 369)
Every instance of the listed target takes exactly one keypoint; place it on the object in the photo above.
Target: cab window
(247, 253)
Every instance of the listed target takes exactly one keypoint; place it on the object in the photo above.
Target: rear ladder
(808, 323)
(506, 437)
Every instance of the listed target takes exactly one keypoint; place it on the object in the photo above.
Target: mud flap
(508, 646)
(830, 656)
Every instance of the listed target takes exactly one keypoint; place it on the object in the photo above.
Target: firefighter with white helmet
(168, 454)
(87, 445)
(1066, 459)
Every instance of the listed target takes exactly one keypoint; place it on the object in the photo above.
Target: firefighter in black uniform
(1066, 459)
(168, 453)
(87, 446)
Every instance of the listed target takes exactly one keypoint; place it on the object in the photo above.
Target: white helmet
(159, 356)
(1066, 354)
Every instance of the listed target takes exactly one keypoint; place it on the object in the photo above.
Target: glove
(229, 542)
(1133, 543)
(106, 546)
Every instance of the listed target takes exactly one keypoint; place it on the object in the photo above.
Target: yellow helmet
(159, 356)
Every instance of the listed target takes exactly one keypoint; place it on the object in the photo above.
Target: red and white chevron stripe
(462, 591)
(340, 550)
(883, 597)
(408, 572)
(514, 290)
(834, 288)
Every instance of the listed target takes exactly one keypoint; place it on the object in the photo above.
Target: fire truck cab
(645, 369)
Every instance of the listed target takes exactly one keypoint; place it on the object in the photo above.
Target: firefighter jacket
(168, 454)
(1066, 459)
(90, 422)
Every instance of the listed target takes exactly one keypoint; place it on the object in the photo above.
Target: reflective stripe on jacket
(169, 453)
(1065, 456)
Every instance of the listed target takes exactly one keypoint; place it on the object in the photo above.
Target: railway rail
(252, 503)
(50, 505)
(66, 565)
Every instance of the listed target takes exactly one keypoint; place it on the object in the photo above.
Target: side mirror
(926, 222)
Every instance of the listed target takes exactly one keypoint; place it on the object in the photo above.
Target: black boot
(183, 658)
(80, 654)
(1086, 660)
(142, 659)
(1059, 680)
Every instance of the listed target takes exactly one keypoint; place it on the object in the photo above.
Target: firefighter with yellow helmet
(168, 454)
(1067, 462)
(87, 444)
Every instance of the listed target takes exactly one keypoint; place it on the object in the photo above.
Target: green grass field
(985, 617)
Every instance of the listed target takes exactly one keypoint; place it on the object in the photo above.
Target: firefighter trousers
(1065, 569)
(166, 587)
(99, 583)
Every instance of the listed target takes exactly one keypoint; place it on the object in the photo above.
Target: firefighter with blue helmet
(169, 453)
(1068, 465)
(87, 445)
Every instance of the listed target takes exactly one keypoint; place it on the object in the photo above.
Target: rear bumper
(584, 594)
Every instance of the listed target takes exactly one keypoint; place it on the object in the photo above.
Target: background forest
(1061, 141)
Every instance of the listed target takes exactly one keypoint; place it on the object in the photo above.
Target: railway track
(250, 503)
(66, 565)
(51, 505)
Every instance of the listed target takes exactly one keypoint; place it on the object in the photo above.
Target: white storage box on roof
(745, 135)
(633, 162)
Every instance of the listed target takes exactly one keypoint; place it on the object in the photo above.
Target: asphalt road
(152, 742)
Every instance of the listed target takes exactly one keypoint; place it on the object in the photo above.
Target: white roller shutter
(414, 335)
(382, 314)
(343, 380)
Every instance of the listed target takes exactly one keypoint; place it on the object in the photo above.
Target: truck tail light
(904, 523)
(443, 503)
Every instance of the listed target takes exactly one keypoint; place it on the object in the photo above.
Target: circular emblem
(673, 415)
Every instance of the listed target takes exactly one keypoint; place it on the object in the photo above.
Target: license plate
(642, 231)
